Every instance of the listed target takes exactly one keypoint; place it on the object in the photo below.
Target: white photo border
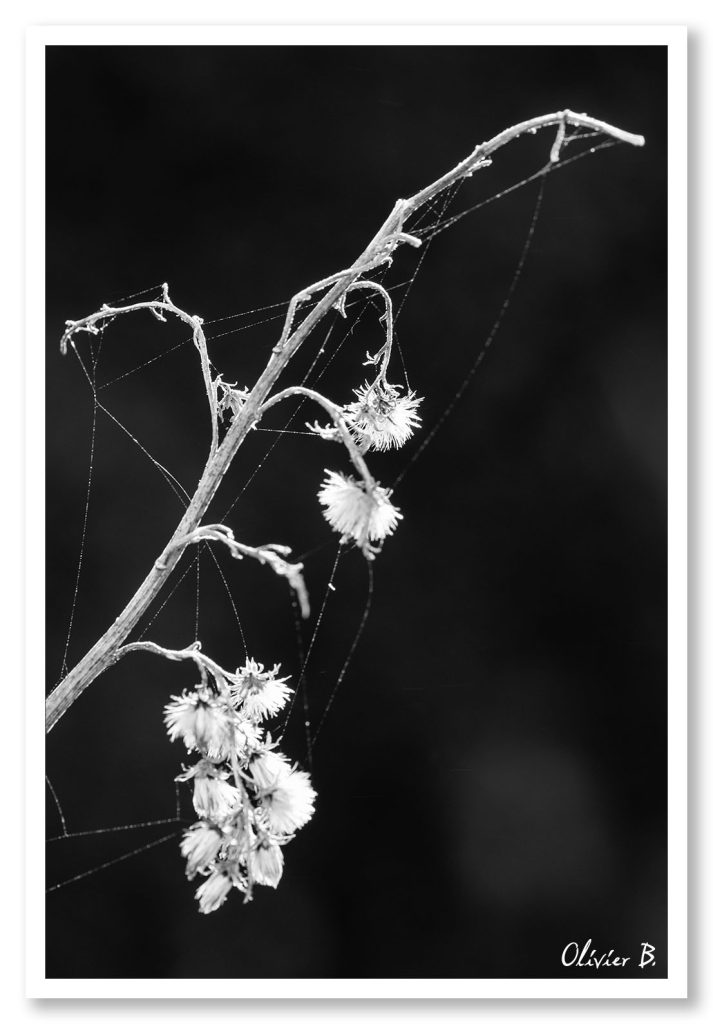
(675, 39)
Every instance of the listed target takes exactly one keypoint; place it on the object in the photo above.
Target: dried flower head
(213, 796)
(361, 513)
(288, 802)
(381, 418)
(200, 845)
(203, 722)
(249, 798)
(214, 891)
(248, 735)
(258, 693)
(266, 766)
(267, 864)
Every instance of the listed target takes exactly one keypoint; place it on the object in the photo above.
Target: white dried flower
(381, 418)
(249, 798)
(248, 735)
(200, 845)
(267, 864)
(288, 802)
(214, 891)
(202, 721)
(213, 796)
(258, 693)
(267, 766)
(359, 513)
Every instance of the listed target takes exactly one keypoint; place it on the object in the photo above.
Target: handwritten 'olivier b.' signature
(586, 956)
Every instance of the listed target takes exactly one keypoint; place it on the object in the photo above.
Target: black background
(492, 772)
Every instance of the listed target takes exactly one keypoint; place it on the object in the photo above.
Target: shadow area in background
(492, 776)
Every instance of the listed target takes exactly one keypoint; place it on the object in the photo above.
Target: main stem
(388, 237)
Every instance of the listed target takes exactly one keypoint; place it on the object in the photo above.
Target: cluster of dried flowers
(361, 510)
(249, 799)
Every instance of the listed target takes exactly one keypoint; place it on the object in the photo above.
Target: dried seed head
(358, 512)
(381, 418)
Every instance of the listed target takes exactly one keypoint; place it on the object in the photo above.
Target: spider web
(430, 224)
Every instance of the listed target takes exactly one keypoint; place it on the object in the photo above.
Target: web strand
(60, 812)
(486, 346)
(297, 621)
(111, 863)
(352, 649)
(132, 827)
(231, 600)
(198, 595)
(431, 232)
(156, 288)
(442, 203)
(175, 587)
(85, 518)
(176, 486)
(329, 589)
(178, 489)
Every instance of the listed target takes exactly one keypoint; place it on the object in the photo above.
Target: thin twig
(273, 555)
(192, 653)
(335, 411)
(157, 308)
(384, 353)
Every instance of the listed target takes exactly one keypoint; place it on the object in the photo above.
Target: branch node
(559, 138)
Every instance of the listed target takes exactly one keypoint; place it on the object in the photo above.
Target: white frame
(674, 37)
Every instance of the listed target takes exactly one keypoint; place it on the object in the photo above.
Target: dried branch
(157, 308)
(191, 653)
(384, 353)
(273, 555)
(380, 250)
